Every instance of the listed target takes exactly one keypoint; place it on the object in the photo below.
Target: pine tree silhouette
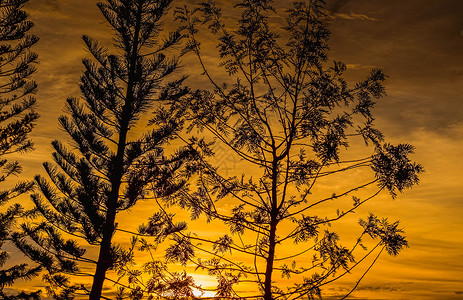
(111, 161)
(17, 118)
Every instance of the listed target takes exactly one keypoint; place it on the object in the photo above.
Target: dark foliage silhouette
(17, 118)
(110, 159)
(291, 118)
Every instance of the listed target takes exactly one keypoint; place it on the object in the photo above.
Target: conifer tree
(17, 118)
(291, 118)
(110, 161)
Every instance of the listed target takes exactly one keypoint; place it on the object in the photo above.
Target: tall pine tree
(17, 118)
(111, 160)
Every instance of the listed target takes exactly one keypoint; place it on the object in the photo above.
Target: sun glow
(203, 294)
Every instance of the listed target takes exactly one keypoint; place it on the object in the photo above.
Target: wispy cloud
(358, 67)
(353, 16)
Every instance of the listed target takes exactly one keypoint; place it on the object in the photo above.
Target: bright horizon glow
(203, 294)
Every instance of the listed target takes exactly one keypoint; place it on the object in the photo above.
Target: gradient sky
(418, 43)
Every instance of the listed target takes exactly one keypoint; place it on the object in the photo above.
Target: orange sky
(418, 43)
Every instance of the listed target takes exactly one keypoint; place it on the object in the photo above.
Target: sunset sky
(418, 44)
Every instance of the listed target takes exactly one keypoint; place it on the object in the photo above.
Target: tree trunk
(272, 232)
(104, 258)
(270, 259)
